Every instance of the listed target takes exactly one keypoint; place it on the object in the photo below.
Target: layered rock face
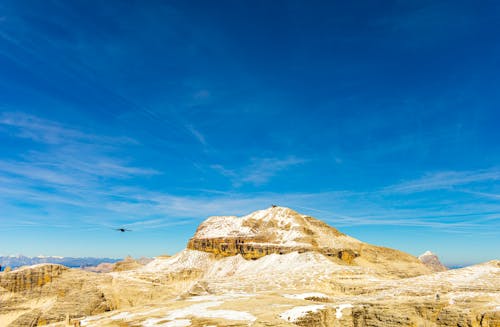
(281, 230)
(28, 278)
(252, 248)
(432, 261)
(44, 293)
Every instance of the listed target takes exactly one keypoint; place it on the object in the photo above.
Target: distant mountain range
(15, 261)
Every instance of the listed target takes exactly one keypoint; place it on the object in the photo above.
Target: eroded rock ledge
(25, 279)
(253, 248)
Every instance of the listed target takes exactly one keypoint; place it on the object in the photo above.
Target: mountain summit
(280, 230)
(431, 260)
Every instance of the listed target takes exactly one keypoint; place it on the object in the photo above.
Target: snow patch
(227, 296)
(296, 313)
(122, 315)
(201, 310)
(223, 226)
(155, 322)
(338, 311)
(186, 259)
(178, 323)
(285, 227)
(304, 296)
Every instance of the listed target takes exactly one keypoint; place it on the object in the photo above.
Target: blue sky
(380, 118)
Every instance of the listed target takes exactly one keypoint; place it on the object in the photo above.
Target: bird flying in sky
(123, 230)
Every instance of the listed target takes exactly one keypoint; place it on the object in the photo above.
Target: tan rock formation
(47, 292)
(126, 264)
(28, 278)
(281, 230)
(432, 261)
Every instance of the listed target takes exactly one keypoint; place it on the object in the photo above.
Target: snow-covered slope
(15, 261)
(275, 225)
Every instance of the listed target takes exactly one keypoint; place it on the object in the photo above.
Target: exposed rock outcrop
(252, 248)
(46, 293)
(432, 261)
(28, 278)
(127, 264)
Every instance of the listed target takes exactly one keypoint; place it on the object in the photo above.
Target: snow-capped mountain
(19, 260)
(280, 230)
(431, 260)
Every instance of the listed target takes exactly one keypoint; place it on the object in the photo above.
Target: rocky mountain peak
(278, 226)
(431, 260)
(272, 230)
(281, 230)
(251, 224)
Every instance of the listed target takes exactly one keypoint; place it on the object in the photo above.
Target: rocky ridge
(15, 261)
(300, 287)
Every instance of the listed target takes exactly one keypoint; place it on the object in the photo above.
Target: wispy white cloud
(70, 169)
(156, 223)
(340, 209)
(46, 131)
(197, 134)
(71, 176)
(445, 180)
(146, 209)
(483, 194)
(224, 171)
(263, 169)
(34, 172)
(259, 171)
(70, 156)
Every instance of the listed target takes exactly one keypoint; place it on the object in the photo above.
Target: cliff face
(251, 248)
(26, 279)
(398, 314)
(41, 294)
